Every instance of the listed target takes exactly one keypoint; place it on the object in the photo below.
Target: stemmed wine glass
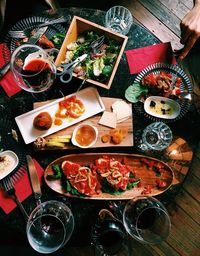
(146, 220)
(33, 68)
(50, 226)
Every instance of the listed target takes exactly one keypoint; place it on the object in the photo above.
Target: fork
(27, 31)
(10, 190)
(96, 44)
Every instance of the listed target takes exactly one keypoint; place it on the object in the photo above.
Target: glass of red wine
(33, 68)
(146, 220)
(109, 236)
(50, 226)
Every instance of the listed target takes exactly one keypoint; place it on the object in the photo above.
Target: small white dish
(162, 107)
(84, 135)
(8, 162)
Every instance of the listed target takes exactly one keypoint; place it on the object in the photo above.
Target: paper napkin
(23, 190)
(140, 58)
(7, 81)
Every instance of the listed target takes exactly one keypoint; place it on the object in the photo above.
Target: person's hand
(190, 30)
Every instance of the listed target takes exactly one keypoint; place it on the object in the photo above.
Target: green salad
(97, 66)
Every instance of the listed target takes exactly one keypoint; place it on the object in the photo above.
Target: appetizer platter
(59, 114)
(161, 80)
(104, 123)
(107, 176)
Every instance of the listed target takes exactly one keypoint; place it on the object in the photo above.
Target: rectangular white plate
(90, 98)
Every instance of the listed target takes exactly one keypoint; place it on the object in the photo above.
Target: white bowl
(84, 135)
(10, 163)
(164, 107)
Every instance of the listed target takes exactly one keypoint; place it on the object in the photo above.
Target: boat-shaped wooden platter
(149, 176)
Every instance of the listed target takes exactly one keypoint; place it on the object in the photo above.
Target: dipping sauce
(6, 164)
(85, 135)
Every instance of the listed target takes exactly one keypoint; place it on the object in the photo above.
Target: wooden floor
(162, 18)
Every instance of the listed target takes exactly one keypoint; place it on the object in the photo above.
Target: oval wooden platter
(148, 176)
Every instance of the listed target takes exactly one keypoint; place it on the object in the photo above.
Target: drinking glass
(119, 19)
(146, 220)
(156, 136)
(109, 236)
(33, 68)
(50, 226)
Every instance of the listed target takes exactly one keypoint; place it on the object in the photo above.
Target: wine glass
(109, 236)
(146, 220)
(50, 226)
(156, 136)
(33, 68)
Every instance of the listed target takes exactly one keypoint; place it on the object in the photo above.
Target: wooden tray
(148, 177)
(128, 124)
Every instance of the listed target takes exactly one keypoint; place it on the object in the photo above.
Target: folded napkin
(23, 190)
(7, 81)
(140, 58)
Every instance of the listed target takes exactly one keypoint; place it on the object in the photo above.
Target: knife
(32, 40)
(35, 183)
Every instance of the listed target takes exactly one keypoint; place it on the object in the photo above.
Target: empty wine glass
(156, 136)
(146, 220)
(50, 226)
(33, 68)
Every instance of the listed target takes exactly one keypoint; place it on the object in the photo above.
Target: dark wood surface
(184, 209)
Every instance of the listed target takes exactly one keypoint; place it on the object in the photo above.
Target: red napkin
(23, 190)
(7, 82)
(140, 58)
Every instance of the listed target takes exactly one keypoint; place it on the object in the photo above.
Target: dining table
(185, 129)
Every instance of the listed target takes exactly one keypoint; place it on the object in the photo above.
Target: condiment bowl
(84, 135)
(8, 162)
(162, 107)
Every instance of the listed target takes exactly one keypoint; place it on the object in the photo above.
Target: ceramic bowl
(84, 135)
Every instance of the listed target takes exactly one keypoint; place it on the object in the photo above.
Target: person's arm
(190, 29)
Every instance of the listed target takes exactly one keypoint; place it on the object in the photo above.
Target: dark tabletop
(85, 211)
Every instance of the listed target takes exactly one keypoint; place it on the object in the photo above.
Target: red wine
(146, 218)
(111, 241)
(37, 73)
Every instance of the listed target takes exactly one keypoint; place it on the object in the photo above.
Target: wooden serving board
(138, 163)
(128, 141)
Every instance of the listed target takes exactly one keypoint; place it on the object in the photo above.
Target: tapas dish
(59, 114)
(107, 176)
(161, 80)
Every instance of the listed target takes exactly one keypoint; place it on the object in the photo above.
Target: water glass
(119, 19)
(50, 226)
(33, 68)
(156, 136)
(146, 220)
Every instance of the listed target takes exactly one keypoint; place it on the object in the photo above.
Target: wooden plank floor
(162, 18)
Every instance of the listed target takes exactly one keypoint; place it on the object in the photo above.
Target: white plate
(164, 107)
(90, 98)
(11, 163)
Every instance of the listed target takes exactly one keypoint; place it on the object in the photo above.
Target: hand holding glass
(33, 69)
